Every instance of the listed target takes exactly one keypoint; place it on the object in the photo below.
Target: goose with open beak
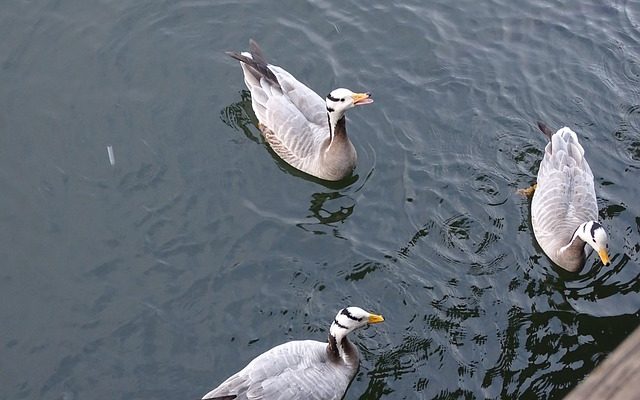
(307, 132)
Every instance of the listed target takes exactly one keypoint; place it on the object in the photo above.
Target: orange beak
(374, 319)
(361, 98)
(604, 256)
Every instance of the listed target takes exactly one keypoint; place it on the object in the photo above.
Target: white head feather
(595, 236)
(340, 100)
(351, 318)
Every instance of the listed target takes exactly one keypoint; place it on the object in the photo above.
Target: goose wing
(565, 196)
(291, 135)
(308, 102)
(294, 370)
(294, 115)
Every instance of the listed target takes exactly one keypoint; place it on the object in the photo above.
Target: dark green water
(160, 276)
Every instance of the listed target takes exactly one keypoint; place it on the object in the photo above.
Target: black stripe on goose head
(594, 226)
(335, 321)
(346, 313)
(332, 98)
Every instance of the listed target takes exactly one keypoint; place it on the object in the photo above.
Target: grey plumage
(302, 369)
(299, 125)
(564, 209)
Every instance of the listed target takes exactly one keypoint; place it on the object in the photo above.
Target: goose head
(340, 100)
(595, 236)
(351, 318)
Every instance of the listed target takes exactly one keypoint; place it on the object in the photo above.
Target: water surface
(161, 275)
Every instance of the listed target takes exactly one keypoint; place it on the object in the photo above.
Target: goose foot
(528, 192)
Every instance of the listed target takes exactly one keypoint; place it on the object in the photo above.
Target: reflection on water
(361, 270)
(424, 231)
(239, 115)
(554, 359)
(329, 209)
(599, 283)
(325, 214)
(541, 354)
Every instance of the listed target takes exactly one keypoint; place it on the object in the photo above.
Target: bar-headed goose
(564, 210)
(303, 369)
(305, 131)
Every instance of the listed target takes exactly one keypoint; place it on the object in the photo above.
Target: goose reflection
(240, 116)
(328, 209)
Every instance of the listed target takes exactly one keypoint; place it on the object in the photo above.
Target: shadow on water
(240, 116)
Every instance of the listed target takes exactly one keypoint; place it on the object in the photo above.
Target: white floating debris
(112, 159)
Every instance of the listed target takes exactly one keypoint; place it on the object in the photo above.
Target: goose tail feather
(545, 129)
(256, 62)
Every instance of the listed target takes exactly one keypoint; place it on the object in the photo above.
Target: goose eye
(342, 99)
